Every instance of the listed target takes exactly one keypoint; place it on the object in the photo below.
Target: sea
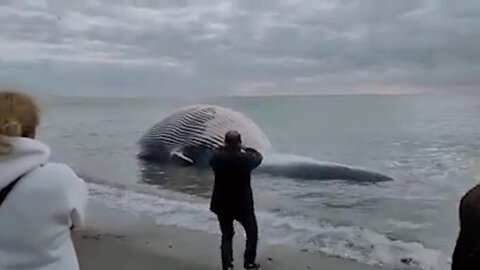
(429, 144)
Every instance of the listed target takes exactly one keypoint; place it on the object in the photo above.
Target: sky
(239, 47)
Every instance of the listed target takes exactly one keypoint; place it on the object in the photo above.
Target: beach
(408, 223)
(366, 114)
(175, 249)
(121, 241)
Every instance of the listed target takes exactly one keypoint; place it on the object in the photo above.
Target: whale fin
(181, 157)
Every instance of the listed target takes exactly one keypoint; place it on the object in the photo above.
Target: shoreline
(132, 242)
(174, 248)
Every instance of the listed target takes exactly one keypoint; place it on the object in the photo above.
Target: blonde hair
(19, 117)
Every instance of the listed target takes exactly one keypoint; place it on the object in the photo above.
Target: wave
(350, 242)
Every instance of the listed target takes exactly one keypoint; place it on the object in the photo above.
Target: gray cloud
(216, 47)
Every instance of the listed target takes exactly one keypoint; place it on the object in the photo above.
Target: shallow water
(430, 145)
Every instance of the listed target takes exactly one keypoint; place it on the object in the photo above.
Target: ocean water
(430, 145)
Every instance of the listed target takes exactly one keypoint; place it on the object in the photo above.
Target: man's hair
(233, 138)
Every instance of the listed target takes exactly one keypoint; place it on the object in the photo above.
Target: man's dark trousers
(249, 223)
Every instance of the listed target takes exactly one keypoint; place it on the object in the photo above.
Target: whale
(299, 167)
(189, 136)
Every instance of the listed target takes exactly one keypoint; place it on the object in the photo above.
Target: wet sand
(170, 248)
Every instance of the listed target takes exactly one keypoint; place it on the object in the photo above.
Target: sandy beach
(118, 241)
(179, 249)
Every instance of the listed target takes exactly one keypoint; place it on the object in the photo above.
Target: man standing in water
(232, 197)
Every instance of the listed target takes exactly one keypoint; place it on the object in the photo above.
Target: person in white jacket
(45, 200)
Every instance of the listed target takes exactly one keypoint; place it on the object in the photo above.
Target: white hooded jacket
(36, 217)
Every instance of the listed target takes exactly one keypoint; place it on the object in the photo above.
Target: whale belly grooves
(194, 132)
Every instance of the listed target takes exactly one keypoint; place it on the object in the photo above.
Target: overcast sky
(244, 47)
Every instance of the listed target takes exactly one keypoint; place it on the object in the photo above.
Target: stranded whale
(190, 135)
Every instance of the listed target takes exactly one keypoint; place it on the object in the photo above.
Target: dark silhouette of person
(466, 255)
(232, 197)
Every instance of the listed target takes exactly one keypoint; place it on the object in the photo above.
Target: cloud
(218, 47)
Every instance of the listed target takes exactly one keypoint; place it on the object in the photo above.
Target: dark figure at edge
(466, 255)
(232, 197)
